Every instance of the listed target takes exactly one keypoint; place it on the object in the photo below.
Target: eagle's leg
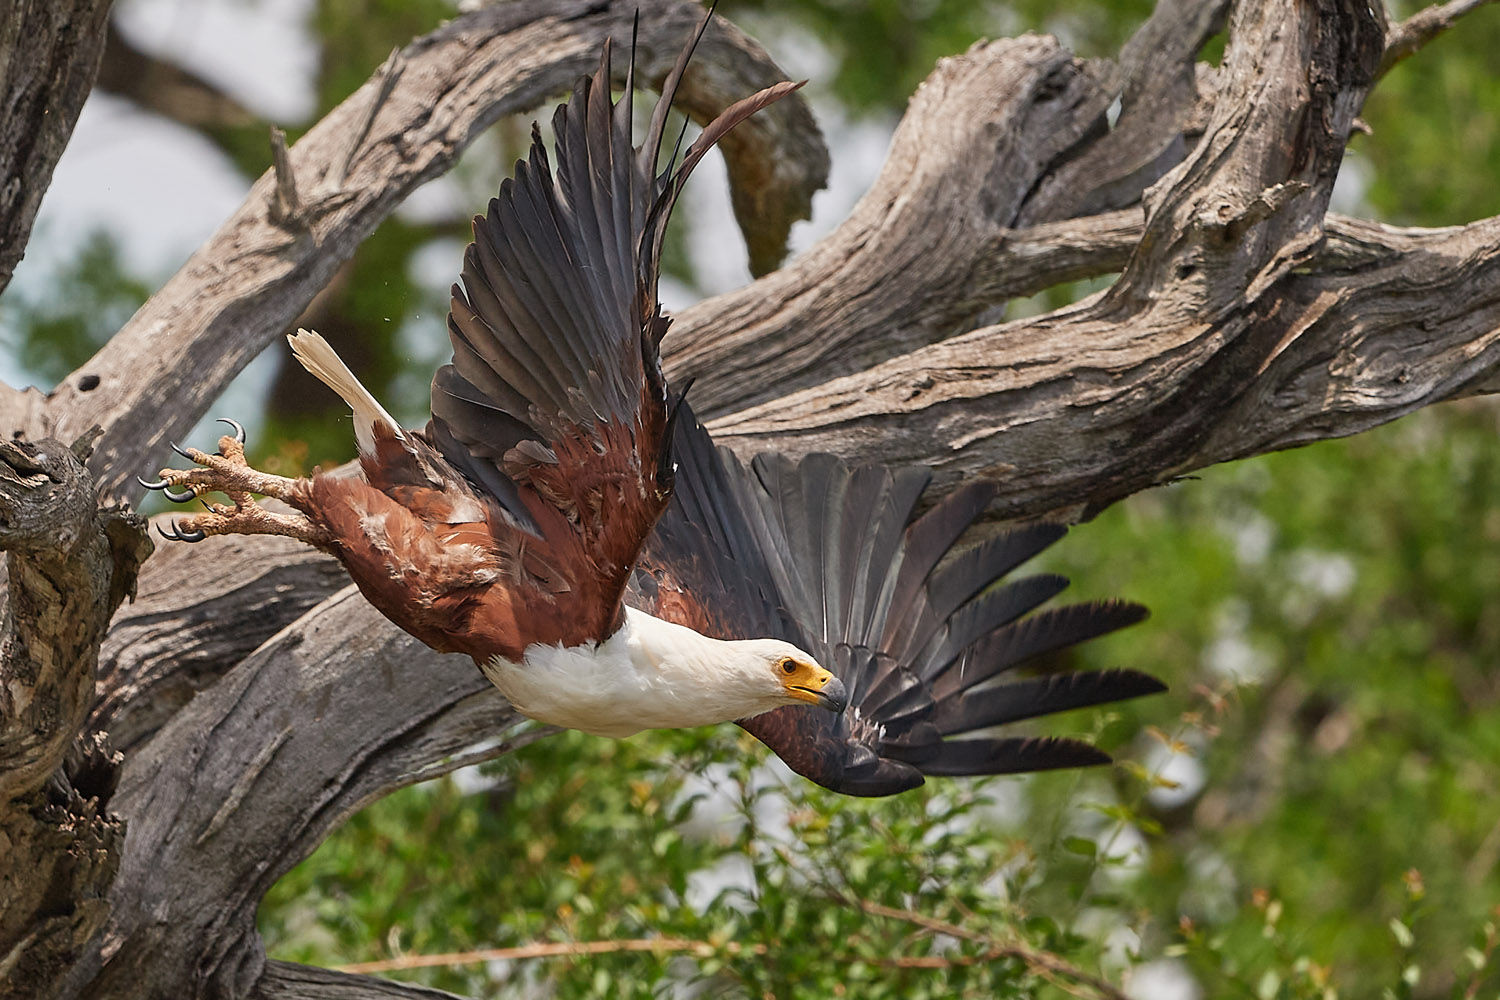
(229, 473)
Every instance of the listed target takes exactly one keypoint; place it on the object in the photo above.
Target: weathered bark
(408, 124)
(1139, 378)
(49, 53)
(259, 700)
(69, 565)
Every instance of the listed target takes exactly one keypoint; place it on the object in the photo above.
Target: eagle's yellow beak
(816, 686)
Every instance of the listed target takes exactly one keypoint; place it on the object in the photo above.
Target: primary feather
(556, 472)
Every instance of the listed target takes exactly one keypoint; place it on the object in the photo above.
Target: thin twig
(551, 949)
(1042, 962)
(1408, 37)
(571, 949)
(286, 207)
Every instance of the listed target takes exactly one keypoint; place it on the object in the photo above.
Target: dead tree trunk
(158, 777)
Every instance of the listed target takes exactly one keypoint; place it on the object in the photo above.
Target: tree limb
(290, 981)
(256, 728)
(898, 273)
(248, 283)
(1088, 404)
(200, 610)
(1408, 37)
(246, 780)
(69, 565)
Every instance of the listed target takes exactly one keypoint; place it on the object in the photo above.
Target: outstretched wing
(554, 405)
(926, 639)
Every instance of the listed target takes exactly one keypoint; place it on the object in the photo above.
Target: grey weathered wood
(1066, 411)
(250, 776)
(899, 272)
(261, 701)
(289, 981)
(247, 284)
(198, 611)
(1408, 37)
(69, 564)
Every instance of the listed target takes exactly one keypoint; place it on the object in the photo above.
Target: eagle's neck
(651, 674)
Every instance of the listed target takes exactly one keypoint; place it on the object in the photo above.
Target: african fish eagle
(567, 523)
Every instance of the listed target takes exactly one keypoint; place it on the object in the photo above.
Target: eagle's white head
(654, 674)
(788, 675)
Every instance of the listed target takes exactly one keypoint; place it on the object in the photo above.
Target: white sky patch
(1121, 942)
(1327, 574)
(730, 872)
(1122, 857)
(158, 189)
(473, 779)
(1122, 848)
(271, 67)
(1212, 893)
(719, 258)
(1233, 657)
(1183, 769)
(1230, 654)
(1163, 979)
(1317, 578)
(1252, 535)
(1351, 186)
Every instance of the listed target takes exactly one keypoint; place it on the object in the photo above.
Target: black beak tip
(834, 696)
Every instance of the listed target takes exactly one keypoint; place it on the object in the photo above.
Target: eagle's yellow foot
(229, 473)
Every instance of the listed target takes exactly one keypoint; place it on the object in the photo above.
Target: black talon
(179, 450)
(239, 430)
(164, 486)
(178, 536)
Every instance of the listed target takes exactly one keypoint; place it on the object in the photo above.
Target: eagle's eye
(789, 666)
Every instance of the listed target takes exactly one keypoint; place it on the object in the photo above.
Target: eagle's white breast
(651, 674)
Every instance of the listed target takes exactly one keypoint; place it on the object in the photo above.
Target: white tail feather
(321, 360)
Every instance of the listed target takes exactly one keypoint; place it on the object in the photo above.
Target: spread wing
(929, 641)
(554, 405)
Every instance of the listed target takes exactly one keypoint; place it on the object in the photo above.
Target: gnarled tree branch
(261, 704)
(157, 376)
(69, 565)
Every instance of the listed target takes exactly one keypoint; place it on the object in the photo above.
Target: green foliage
(91, 296)
(1344, 840)
(882, 49)
(1435, 129)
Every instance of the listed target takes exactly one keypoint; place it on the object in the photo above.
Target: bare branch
(289, 981)
(240, 785)
(199, 610)
(898, 273)
(1156, 83)
(69, 565)
(252, 278)
(1407, 38)
(1123, 390)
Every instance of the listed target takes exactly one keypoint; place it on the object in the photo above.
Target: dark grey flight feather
(835, 560)
(555, 326)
